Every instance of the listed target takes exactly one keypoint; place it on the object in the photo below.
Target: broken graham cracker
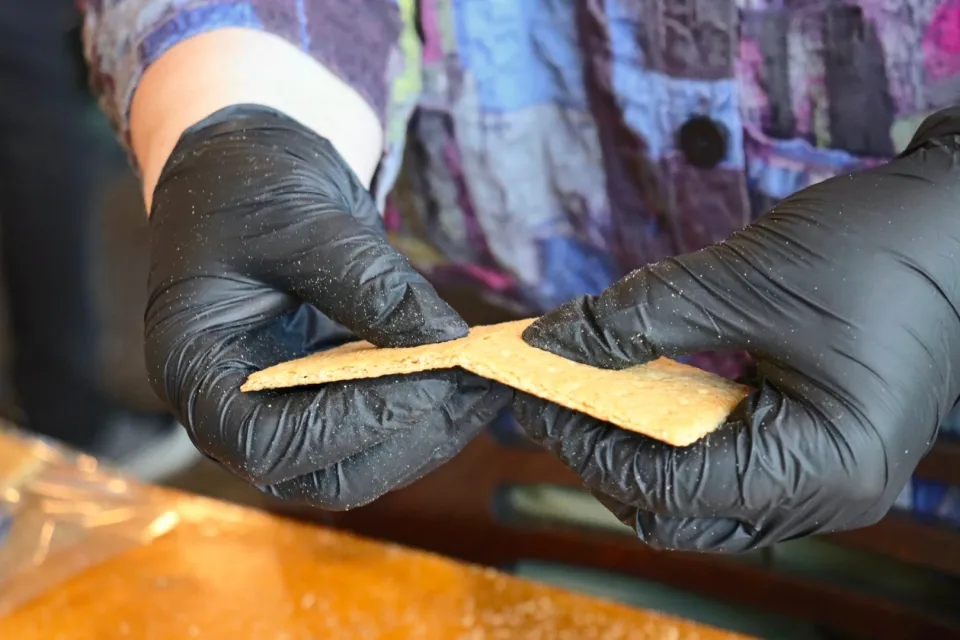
(357, 360)
(671, 402)
(665, 400)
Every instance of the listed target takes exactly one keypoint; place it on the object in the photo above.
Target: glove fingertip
(572, 331)
(420, 317)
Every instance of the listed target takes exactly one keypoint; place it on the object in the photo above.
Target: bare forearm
(208, 72)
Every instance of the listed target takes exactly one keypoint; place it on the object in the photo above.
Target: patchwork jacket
(541, 149)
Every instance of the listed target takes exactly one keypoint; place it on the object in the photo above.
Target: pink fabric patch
(941, 42)
(391, 216)
(492, 279)
(429, 22)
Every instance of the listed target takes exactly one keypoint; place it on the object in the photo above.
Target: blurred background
(500, 503)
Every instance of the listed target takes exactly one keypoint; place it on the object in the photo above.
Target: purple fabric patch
(356, 40)
(185, 24)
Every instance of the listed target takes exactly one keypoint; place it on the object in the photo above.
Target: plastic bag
(62, 512)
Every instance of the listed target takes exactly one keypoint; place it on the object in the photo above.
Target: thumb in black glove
(265, 247)
(847, 296)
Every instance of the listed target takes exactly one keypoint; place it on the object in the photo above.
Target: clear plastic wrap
(61, 512)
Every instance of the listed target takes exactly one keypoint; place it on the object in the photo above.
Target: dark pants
(48, 159)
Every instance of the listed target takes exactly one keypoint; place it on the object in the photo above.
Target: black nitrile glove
(260, 236)
(847, 296)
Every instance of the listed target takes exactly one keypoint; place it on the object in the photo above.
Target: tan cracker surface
(666, 400)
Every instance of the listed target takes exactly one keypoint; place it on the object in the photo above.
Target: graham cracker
(671, 402)
(356, 360)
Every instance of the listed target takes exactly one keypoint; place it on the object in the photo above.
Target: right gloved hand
(265, 247)
(847, 294)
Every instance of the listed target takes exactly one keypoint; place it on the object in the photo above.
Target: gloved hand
(847, 296)
(264, 247)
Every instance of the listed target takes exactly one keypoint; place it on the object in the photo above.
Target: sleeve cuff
(355, 39)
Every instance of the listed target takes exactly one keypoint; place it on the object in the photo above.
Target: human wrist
(222, 68)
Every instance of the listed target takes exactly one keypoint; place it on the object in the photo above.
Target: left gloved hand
(265, 247)
(848, 296)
